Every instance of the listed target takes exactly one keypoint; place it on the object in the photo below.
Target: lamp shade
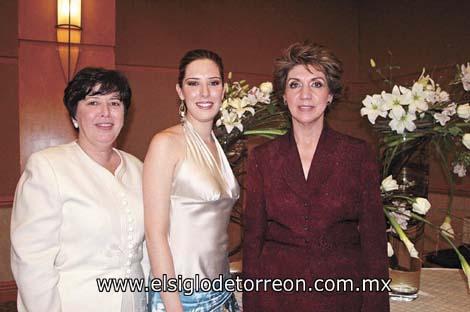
(69, 12)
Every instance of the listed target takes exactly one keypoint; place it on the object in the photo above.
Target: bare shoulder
(169, 142)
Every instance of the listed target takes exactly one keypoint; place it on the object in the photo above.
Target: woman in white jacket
(78, 215)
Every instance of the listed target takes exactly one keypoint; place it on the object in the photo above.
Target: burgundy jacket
(330, 226)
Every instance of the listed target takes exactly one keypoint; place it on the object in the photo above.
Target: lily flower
(404, 122)
(240, 106)
(230, 121)
(395, 102)
(417, 98)
(373, 108)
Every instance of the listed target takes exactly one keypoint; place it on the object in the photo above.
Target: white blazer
(73, 221)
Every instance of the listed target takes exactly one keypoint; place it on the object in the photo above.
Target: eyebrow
(96, 96)
(197, 78)
(314, 78)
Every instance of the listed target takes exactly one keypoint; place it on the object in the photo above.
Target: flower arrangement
(249, 111)
(409, 119)
(246, 112)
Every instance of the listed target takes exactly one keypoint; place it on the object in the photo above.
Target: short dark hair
(318, 56)
(88, 78)
(199, 54)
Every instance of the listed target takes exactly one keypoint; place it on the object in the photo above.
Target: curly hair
(308, 54)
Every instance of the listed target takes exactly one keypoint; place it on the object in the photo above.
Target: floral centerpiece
(409, 119)
(247, 111)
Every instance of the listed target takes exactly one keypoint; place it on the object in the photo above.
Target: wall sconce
(69, 22)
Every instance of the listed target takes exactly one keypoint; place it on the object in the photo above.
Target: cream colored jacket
(73, 222)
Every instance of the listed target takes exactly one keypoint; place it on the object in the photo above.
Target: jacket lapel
(319, 172)
(321, 166)
(292, 172)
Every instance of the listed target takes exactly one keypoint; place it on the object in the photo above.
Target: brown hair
(199, 54)
(306, 54)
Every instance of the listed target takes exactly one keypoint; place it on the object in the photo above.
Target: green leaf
(455, 131)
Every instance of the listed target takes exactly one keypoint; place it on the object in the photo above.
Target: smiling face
(202, 90)
(100, 119)
(307, 94)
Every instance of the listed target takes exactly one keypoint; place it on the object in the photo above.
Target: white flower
(441, 118)
(266, 87)
(450, 110)
(395, 101)
(416, 97)
(405, 121)
(224, 105)
(447, 229)
(444, 116)
(443, 96)
(389, 184)
(421, 205)
(373, 107)
(256, 95)
(466, 140)
(389, 249)
(431, 96)
(411, 248)
(465, 77)
(463, 111)
(240, 106)
(402, 215)
(460, 170)
(230, 120)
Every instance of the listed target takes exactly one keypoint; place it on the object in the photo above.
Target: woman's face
(100, 119)
(307, 94)
(202, 90)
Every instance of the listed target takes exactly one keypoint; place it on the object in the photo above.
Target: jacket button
(305, 204)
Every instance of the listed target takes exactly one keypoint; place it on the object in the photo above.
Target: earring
(182, 110)
(75, 123)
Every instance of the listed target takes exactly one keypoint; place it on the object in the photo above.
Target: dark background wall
(151, 37)
(9, 129)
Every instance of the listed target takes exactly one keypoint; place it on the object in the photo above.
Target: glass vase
(410, 167)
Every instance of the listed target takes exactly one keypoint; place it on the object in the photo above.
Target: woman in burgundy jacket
(313, 208)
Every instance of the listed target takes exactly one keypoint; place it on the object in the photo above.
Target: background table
(441, 290)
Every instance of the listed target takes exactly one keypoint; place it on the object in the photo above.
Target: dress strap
(198, 151)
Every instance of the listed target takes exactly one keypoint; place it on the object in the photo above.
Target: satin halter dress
(203, 192)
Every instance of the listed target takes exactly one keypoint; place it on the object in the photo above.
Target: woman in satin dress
(189, 190)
